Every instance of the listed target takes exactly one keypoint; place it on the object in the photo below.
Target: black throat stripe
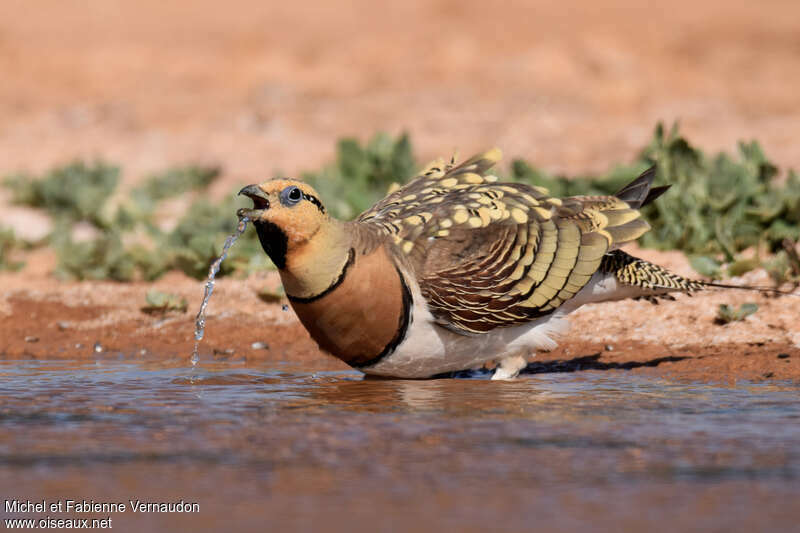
(351, 256)
(274, 242)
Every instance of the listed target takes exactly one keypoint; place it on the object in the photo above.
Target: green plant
(158, 302)
(719, 205)
(784, 267)
(198, 237)
(727, 314)
(71, 193)
(8, 245)
(361, 175)
(104, 257)
(707, 266)
(171, 183)
(131, 243)
(271, 296)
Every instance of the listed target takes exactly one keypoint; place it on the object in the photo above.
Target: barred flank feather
(637, 272)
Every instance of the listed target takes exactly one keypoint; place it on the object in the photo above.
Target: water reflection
(574, 428)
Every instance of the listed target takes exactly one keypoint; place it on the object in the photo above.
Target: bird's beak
(260, 202)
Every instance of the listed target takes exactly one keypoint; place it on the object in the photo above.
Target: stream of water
(213, 270)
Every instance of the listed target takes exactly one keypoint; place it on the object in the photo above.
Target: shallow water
(275, 447)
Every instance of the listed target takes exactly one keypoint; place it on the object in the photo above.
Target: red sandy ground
(262, 86)
(50, 319)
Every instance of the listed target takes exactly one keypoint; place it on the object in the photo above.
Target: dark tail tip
(640, 191)
(655, 192)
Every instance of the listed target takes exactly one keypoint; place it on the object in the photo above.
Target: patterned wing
(490, 254)
(429, 189)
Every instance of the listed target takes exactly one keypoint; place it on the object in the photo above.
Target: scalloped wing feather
(488, 254)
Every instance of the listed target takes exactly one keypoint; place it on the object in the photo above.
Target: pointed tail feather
(640, 191)
(654, 193)
(636, 272)
(656, 281)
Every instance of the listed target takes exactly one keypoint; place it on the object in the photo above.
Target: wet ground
(274, 447)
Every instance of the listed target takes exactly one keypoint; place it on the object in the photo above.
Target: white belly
(430, 349)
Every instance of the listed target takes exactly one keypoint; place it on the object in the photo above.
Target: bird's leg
(509, 367)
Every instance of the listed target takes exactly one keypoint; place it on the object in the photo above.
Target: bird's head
(287, 213)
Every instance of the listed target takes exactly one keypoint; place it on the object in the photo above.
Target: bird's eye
(291, 196)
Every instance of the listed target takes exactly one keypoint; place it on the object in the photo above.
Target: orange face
(290, 205)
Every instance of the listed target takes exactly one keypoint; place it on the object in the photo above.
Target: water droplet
(284, 308)
(31, 338)
(195, 358)
(260, 346)
(98, 347)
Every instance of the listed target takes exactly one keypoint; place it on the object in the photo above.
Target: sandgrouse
(455, 268)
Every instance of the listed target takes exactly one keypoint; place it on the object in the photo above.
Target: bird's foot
(509, 367)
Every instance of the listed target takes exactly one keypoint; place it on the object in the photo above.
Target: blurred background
(201, 98)
(261, 86)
